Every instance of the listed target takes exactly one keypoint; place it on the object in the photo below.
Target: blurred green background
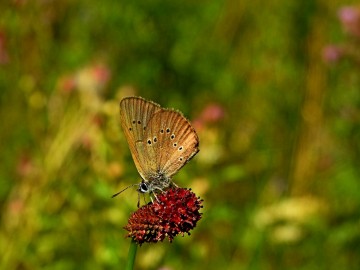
(272, 88)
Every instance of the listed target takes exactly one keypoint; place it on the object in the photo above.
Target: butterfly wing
(169, 143)
(135, 114)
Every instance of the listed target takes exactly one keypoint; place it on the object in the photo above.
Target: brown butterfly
(161, 142)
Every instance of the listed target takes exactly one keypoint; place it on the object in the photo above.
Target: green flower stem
(131, 255)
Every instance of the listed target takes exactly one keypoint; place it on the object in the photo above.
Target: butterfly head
(155, 183)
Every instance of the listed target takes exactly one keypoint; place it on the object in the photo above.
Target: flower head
(175, 211)
(350, 19)
(212, 113)
(332, 54)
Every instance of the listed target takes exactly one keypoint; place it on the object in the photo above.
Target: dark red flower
(175, 211)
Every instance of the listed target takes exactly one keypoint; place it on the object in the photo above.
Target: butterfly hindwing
(170, 142)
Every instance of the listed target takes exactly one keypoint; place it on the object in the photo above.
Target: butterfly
(161, 142)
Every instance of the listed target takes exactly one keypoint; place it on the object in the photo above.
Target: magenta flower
(175, 211)
(4, 55)
(350, 19)
(212, 113)
(332, 54)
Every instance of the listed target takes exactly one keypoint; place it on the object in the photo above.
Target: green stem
(131, 255)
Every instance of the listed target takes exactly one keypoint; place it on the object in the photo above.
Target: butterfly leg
(144, 198)
(155, 197)
(173, 183)
(158, 188)
(138, 204)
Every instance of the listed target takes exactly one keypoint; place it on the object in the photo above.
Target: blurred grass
(279, 131)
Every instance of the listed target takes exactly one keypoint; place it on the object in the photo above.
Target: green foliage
(278, 167)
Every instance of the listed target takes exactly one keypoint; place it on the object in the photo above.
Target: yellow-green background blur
(276, 107)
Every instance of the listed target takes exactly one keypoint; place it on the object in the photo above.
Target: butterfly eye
(162, 131)
(133, 121)
(130, 129)
(155, 139)
(180, 148)
(172, 136)
(168, 130)
(149, 141)
(143, 188)
(139, 122)
(175, 144)
(180, 158)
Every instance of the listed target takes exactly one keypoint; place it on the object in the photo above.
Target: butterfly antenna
(113, 196)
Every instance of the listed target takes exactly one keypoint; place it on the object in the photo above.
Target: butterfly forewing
(135, 114)
(170, 142)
